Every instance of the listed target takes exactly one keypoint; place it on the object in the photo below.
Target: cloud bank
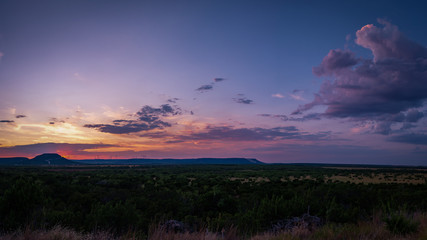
(388, 88)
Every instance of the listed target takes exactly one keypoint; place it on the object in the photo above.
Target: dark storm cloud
(39, 148)
(242, 99)
(148, 118)
(204, 88)
(411, 138)
(20, 116)
(395, 81)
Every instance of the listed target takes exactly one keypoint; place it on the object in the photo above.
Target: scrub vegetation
(212, 202)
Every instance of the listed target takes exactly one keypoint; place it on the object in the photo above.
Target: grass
(375, 229)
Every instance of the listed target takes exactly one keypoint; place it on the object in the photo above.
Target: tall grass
(375, 229)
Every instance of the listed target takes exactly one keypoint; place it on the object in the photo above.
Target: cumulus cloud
(148, 118)
(392, 83)
(205, 88)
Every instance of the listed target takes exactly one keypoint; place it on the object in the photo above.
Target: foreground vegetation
(212, 201)
(374, 229)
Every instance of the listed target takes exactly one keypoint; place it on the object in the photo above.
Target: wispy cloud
(78, 76)
(7, 121)
(219, 79)
(277, 95)
(242, 99)
(230, 133)
(205, 88)
(296, 95)
(307, 117)
(20, 116)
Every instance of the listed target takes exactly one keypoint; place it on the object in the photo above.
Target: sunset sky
(280, 81)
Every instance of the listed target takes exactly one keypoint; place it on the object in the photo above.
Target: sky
(279, 81)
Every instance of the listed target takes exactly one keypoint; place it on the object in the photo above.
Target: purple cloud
(219, 79)
(410, 138)
(392, 84)
(20, 116)
(311, 116)
(7, 121)
(229, 133)
(148, 118)
(204, 88)
(242, 99)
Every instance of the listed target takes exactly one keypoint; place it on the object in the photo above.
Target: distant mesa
(171, 161)
(50, 159)
(54, 159)
(43, 159)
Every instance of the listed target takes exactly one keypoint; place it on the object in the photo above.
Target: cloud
(410, 138)
(218, 79)
(242, 99)
(7, 121)
(172, 100)
(310, 116)
(205, 88)
(1, 55)
(229, 133)
(382, 88)
(54, 120)
(148, 118)
(20, 116)
(277, 95)
(39, 148)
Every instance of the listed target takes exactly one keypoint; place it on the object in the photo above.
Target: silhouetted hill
(170, 161)
(43, 159)
(50, 159)
(56, 159)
